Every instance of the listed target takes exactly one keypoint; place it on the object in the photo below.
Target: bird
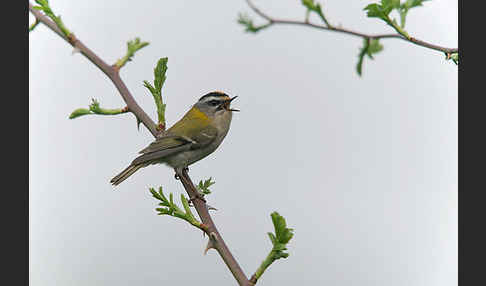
(196, 135)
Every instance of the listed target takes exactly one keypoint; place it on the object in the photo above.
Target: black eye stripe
(214, 102)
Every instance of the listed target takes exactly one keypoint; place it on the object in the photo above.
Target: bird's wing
(192, 128)
(157, 155)
(165, 142)
(204, 137)
(169, 144)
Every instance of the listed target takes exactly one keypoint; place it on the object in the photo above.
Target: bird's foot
(177, 171)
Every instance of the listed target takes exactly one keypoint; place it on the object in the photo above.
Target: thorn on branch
(213, 240)
(209, 245)
(75, 50)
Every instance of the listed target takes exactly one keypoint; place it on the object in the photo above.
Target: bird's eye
(213, 102)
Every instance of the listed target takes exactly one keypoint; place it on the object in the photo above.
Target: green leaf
(155, 194)
(278, 223)
(163, 211)
(162, 195)
(317, 8)
(44, 6)
(279, 241)
(377, 11)
(273, 239)
(281, 255)
(246, 21)
(171, 200)
(79, 112)
(132, 46)
(170, 208)
(42, 2)
(393, 4)
(279, 247)
(282, 233)
(204, 186)
(156, 89)
(370, 47)
(190, 217)
(159, 74)
(309, 4)
(403, 9)
(374, 47)
(94, 108)
(149, 87)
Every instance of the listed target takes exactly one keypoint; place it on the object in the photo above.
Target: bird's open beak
(228, 102)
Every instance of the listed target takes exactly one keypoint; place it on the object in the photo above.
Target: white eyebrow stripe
(209, 98)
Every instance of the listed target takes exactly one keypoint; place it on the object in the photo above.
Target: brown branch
(415, 41)
(215, 239)
(109, 70)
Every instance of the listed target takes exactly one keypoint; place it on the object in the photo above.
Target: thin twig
(413, 40)
(201, 207)
(109, 70)
(218, 242)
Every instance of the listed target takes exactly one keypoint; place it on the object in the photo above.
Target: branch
(110, 71)
(216, 241)
(272, 21)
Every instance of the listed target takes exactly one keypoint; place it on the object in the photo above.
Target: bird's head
(215, 103)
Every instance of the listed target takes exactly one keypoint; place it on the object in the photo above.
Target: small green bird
(195, 136)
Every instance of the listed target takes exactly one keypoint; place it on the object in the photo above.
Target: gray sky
(364, 169)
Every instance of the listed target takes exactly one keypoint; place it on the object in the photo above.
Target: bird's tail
(125, 174)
